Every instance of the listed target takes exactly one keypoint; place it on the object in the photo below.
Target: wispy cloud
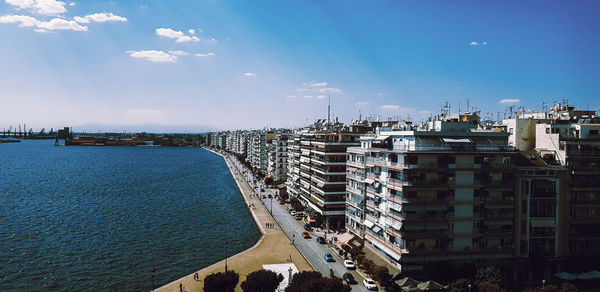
(332, 90)
(191, 31)
(362, 103)
(43, 26)
(291, 96)
(99, 17)
(178, 36)
(44, 7)
(390, 107)
(153, 56)
(249, 74)
(308, 96)
(209, 54)
(509, 100)
(318, 84)
(380, 94)
(71, 4)
(179, 53)
(321, 96)
(478, 43)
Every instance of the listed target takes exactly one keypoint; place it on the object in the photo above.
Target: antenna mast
(329, 110)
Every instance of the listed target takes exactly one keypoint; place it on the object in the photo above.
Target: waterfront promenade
(274, 247)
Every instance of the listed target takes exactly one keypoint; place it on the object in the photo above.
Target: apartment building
(562, 217)
(317, 170)
(278, 156)
(443, 191)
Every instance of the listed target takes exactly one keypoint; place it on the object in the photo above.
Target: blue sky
(251, 64)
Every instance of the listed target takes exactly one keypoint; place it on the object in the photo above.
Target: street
(310, 248)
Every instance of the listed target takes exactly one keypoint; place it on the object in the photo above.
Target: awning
(357, 199)
(376, 229)
(543, 223)
(452, 140)
(382, 137)
(350, 208)
(369, 181)
(351, 169)
(395, 206)
(368, 223)
(386, 249)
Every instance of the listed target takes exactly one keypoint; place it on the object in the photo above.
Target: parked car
(305, 234)
(321, 240)
(264, 196)
(370, 284)
(328, 258)
(348, 278)
(281, 202)
(269, 196)
(298, 217)
(307, 227)
(262, 190)
(349, 265)
(293, 213)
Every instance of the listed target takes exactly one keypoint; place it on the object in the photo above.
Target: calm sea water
(100, 218)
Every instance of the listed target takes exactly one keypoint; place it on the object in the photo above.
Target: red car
(305, 234)
(280, 202)
(264, 196)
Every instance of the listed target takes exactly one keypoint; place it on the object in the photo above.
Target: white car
(370, 284)
(349, 265)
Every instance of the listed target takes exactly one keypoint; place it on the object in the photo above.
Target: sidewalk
(273, 248)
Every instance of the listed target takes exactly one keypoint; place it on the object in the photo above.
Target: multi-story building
(278, 157)
(257, 149)
(443, 191)
(560, 198)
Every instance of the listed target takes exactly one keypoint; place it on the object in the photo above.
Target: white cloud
(179, 53)
(510, 100)
(332, 90)
(390, 107)
(44, 7)
(308, 96)
(191, 31)
(321, 96)
(249, 74)
(153, 56)
(99, 17)
(478, 43)
(210, 54)
(362, 103)
(71, 4)
(291, 96)
(43, 26)
(179, 36)
(318, 84)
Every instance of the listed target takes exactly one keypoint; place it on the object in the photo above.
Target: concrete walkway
(273, 248)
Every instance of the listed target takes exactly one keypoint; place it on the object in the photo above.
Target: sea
(115, 218)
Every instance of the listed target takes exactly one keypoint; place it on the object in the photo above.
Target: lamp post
(225, 256)
(271, 206)
(152, 279)
(469, 287)
(543, 283)
(289, 276)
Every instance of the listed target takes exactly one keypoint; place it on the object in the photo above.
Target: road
(310, 248)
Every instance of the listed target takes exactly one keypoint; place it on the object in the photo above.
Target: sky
(250, 64)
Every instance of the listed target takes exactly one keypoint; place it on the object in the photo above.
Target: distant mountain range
(148, 128)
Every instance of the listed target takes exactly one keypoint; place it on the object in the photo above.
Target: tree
(382, 275)
(296, 205)
(268, 180)
(300, 278)
(262, 281)
(490, 274)
(369, 266)
(221, 282)
(283, 194)
(459, 285)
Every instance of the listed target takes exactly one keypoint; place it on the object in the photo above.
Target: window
(593, 132)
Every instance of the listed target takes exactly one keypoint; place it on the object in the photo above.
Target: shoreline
(274, 247)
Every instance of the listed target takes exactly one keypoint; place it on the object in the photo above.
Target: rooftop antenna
(329, 110)
(459, 107)
(360, 115)
(468, 104)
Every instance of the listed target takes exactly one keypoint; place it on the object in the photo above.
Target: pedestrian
(180, 287)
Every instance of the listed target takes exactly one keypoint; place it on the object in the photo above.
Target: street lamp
(543, 283)
(225, 256)
(152, 279)
(271, 206)
(469, 287)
